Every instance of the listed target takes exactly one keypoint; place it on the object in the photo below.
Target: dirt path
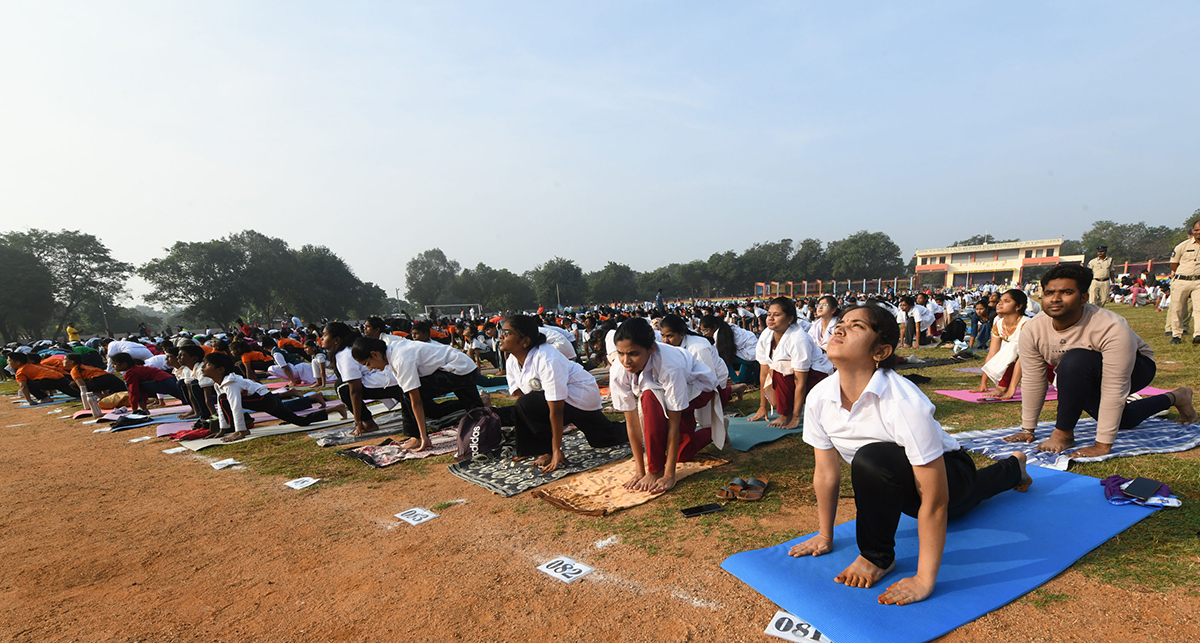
(103, 540)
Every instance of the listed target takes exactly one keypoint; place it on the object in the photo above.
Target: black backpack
(956, 329)
(478, 434)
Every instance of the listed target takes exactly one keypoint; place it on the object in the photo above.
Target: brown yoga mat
(599, 492)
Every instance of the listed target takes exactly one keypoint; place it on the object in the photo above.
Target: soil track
(103, 540)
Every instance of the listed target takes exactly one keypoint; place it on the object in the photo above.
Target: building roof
(1038, 243)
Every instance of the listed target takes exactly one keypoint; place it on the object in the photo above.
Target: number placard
(416, 516)
(300, 483)
(790, 627)
(221, 464)
(175, 450)
(142, 439)
(566, 569)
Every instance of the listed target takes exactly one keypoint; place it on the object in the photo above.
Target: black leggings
(275, 407)
(106, 384)
(1078, 375)
(534, 434)
(437, 384)
(41, 389)
(196, 397)
(388, 393)
(884, 487)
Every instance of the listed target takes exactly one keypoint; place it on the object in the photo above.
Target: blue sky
(643, 133)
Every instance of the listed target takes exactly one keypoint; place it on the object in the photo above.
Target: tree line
(56, 278)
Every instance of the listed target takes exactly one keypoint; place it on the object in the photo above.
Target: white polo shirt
(557, 338)
(674, 373)
(706, 352)
(745, 341)
(795, 351)
(409, 361)
(891, 409)
(561, 379)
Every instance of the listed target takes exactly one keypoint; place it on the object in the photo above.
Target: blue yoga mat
(744, 434)
(1004, 548)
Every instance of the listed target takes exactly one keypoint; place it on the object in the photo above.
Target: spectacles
(504, 332)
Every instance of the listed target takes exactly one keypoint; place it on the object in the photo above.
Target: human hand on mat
(1093, 451)
(906, 590)
(556, 459)
(815, 546)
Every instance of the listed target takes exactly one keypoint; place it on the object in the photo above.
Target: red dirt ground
(103, 540)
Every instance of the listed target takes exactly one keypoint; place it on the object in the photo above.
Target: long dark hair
(675, 324)
(722, 338)
(345, 337)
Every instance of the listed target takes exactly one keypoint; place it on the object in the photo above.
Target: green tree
(727, 273)
(201, 276)
(695, 279)
(769, 261)
(865, 255)
(615, 282)
(329, 288)
(809, 262)
(1130, 241)
(81, 268)
(268, 274)
(559, 280)
(429, 275)
(26, 292)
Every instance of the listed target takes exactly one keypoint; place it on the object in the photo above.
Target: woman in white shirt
(551, 392)
(901, 460)
(825, 321)
(676, 333)
(236, 394)
(423, 371)
(736, 346)
(659, 388)
(1002, 365)
(790, 365)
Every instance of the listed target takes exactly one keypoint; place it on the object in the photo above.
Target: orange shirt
(85, 372)
(255, 356)
(54, 361)
(207, 349)
(399, 333)
(288, 341)
(38, 372)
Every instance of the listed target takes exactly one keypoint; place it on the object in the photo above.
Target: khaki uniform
(1185, 286)
(1101, 270)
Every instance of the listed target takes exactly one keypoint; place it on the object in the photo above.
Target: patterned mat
(1155, 435)
(499, 474)
(390, 452)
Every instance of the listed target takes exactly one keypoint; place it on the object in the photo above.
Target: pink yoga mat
(1051, 395)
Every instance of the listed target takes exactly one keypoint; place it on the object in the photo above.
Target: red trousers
(785, 388)
(656, 431)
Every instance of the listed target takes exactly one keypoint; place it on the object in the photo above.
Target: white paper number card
(221, 464)
(416, 516)
(175, 450)
(300, 483)
(566, 569)
(790, 628)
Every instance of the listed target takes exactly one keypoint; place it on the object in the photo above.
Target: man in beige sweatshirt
(1096, 361)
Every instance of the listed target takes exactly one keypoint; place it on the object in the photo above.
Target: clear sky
(638, 132)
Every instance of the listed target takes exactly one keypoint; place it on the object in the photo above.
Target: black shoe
(1168, 334)
(1176, 340)
(1196, 340)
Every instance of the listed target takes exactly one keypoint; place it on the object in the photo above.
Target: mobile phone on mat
(700, 510)
(1141, 488)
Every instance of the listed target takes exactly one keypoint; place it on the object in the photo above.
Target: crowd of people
(827, 363)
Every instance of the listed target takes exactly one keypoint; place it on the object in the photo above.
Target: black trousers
(106, 384)
(390, 392)
(41, 389)
(277, 408)
(437, 384)
(491, 356)
(1079, 373)
(92, 359)
(195, 397)
(535, 435)
(884, 487)
(910, 329)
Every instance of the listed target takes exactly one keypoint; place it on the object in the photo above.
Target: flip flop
(753, 490)
(730, 491)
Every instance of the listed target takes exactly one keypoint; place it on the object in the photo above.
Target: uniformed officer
(1102, 274)
(1185, 279)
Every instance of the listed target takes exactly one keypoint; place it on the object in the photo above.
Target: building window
(924, 261)
(1028, 254)
(1038, 253)
(942, 260)
(1049, 252)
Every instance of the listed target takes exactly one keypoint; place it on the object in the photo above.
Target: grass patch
(1041, 599)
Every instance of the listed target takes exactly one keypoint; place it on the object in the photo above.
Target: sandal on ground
(753, 490)
(730, 491)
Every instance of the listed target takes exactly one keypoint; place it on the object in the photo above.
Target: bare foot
(1026, 479)
(190, 415)
(367, 427)
(1024, 435)
(320, 398)
(758, 417)
(646, 482)
(1059, 441)
(663, 484)
(421, 446)
(1182, 400)
(862, 573)
(341, 409)
(216, 433)
(234, 437)
(780, 422)
(541, 460)
(411, 444)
